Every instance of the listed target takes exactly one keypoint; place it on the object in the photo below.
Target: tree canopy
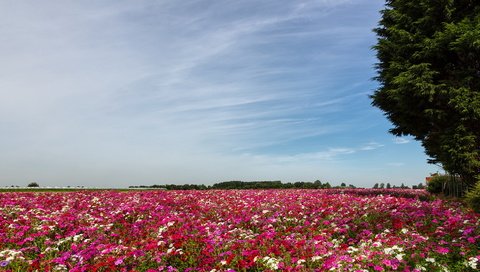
(429, 75)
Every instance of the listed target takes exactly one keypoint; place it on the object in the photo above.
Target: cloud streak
(150, 89)
(400, 141)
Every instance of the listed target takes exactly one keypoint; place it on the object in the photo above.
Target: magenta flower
(442, 250)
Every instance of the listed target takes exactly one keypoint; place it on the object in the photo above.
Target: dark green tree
(33, 184)
(429, 75)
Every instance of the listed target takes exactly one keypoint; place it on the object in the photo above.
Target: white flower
(388, 250)
(395, 247)
(472, 262)
(161, 230)
(352, 249)
(11, 254)
(60, 267)
(400, 256)
(271, 263)
(77, 237)
(430, 260)
(419, 267)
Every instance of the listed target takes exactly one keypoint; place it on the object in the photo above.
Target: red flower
(397, 224)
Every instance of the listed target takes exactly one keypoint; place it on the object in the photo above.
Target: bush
(473, 197)
(435, 185)
(33, 184)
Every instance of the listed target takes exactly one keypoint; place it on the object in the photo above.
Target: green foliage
(429, 74)
(251, 185)
(270, 185)
(473, 197)
(226, 185)
(419, 186)
(448, 185)
(435, 185)
(33, 184)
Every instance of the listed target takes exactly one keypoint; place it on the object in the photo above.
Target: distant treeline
(247, 185)
(235, 184)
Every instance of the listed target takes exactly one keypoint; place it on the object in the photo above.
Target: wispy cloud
(152, 88)
(371, 146)
(331, 154)
(399, 140)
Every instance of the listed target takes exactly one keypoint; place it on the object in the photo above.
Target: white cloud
(371, 146)
(399, 140)
(331, 154)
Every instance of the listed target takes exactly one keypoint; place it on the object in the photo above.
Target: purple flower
(119, 261)
(4, 263)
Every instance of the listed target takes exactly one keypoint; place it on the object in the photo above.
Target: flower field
(251, 230)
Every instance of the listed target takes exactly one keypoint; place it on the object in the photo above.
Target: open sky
(117, 93)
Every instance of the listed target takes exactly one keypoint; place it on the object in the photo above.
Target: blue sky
(118, 93)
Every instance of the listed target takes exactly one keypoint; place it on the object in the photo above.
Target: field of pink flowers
(251, 230)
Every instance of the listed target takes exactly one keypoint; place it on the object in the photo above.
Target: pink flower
(119, 261)
(387, 263)
(442, 250)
